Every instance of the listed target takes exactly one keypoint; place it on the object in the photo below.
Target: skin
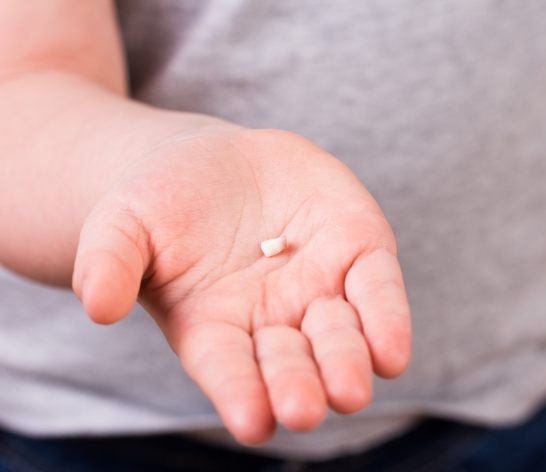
(130, 202)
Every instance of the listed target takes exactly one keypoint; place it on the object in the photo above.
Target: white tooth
(272, 247)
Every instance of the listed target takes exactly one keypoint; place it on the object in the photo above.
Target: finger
(374, 286)
(291, 376)
(333, 327)
(111, 259)
(219, 357)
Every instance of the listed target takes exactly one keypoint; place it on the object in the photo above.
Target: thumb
(110, 261)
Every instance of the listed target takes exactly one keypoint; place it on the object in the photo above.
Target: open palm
(267, 339)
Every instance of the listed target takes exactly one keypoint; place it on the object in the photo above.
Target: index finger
(219, 357)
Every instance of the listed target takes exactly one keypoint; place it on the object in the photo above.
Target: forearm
(65, 140)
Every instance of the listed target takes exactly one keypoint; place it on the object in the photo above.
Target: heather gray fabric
(439, 106)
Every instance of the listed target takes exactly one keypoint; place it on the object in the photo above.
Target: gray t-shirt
(439, 106)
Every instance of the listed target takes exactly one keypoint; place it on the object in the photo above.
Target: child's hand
(267, 339)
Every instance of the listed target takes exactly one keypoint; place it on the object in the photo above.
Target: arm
(67, 128)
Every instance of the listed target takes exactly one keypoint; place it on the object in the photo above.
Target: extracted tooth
(272, 247)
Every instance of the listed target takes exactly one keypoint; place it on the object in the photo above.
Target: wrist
(68, 141)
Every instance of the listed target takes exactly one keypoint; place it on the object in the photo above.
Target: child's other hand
(267, 339)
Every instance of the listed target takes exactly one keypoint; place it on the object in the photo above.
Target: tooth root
(272, 247)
